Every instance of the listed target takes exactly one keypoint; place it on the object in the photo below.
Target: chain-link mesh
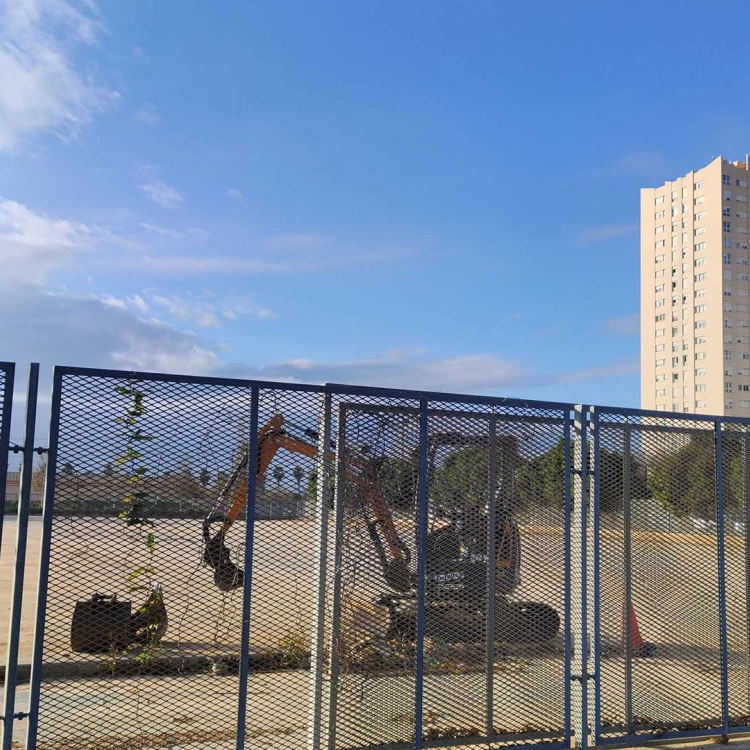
(660, 635)
(522, 696)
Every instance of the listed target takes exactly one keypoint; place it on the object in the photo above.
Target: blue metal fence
(346, 626)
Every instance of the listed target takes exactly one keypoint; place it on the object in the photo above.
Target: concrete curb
(261, 660)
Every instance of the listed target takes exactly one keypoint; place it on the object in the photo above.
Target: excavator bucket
(227, 575)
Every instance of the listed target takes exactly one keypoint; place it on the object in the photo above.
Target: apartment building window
(741, 230)
(728, 388)
(726, 211)
(661, 407)
(729, 405)
(700, 215)
(727, 257)
(742, 372)
(700, 199)
(700, 308)
(742, 292)
(700, 261)
(659, 273)
(659, 288)
(700, 388)
(659, 229)
(661, 258)
(675, 212)
(741, 214)
(698, 277)
(701, 230)
(684, 192)
(727, 274)
(726, 179)
(674, 229)
(727, 195)
(727, 372)
(660, 243)
(700, 323)
(741, 183)
(742, 323)
(660, 362)
(700, 373)
(700, 340)
(726, 226)
(659, 347)
(662, 378)
(659, 200)
(700, 355)
(727, 354)
(741, 261)
(742, 276)
(659, 214)
(660, 302)
(684, 208)
(661, 393)
(700, 185)
(743, 340)
(661, 332)
(743, 387)
(741, 197)
(700, 404)
(660, 318)
(745, 355)
(685, 346)
(727, 322)
(726, 242)
(698, 293)
(675, 361)
(727, 306)
(675, 346)
(742, 245)
(744, 404)
(727, 292)
(699, 246)
(674, 272)
(675, 377)
(674, 195)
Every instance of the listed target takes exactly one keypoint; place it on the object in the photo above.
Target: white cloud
(148, 115)
(627, 325)
(171, 234)
(41, 88)
(206, 312)
(235, 194)
(139, 304)
(602, 234)
(83, 330)
(31, 244)
(161, 193)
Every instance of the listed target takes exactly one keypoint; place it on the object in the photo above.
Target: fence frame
(582, 427)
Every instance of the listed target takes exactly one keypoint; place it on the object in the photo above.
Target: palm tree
(278, 474)
(299, 474)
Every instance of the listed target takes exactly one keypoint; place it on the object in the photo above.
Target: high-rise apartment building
(695, 293)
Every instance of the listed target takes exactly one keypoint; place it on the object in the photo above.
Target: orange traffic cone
(638, 646)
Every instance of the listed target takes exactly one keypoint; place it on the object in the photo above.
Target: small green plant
(294, 647)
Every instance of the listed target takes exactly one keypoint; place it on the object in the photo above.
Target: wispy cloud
(297, 241)
(148, 115)
(235, 194)
(627, 325)
(159, 231)
(205, 311)
(161, 193)
(42, 87)
(605, 233)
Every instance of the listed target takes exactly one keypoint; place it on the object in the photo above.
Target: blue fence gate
(241, 564)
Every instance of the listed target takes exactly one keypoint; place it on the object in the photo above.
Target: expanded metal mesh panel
(657, 494)
(139, 466)
(6, 386)
(522, 696)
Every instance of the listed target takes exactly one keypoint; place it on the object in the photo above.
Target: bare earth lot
(674, 580)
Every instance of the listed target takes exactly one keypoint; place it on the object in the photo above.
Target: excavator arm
(271, 437)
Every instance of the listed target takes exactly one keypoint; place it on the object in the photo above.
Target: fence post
(22, 528)
(317, 641)
(48, 510)
(722, 576)
(338, 551)
(628, 554)
(247, 581)
(746, 517)
(491, 562)
(6, 408)
(579, 569)
(595, 504)
(421, 574)
(568, 577)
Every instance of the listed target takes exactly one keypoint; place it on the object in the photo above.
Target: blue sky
(427, 194)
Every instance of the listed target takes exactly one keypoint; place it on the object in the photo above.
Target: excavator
(457, 559)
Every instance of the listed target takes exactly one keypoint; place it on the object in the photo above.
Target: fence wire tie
(20, 449)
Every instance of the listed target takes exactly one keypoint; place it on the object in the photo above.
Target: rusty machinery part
(103, 623)
(216, 554)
